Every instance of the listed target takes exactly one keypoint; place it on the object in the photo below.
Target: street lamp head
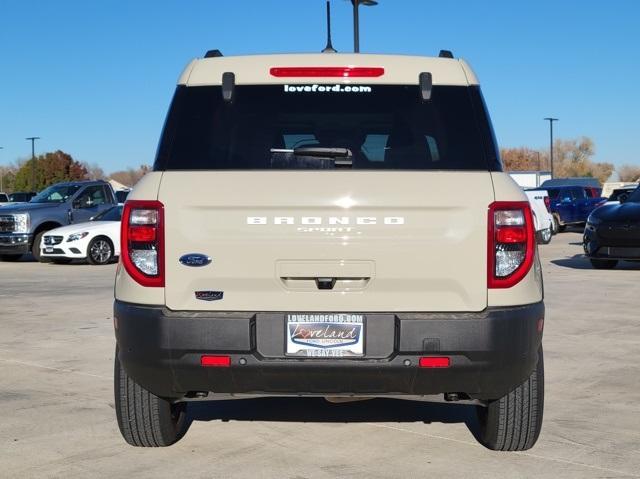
(551, 119)
(366, 3)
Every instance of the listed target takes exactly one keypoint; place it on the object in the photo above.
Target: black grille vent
(52, 240)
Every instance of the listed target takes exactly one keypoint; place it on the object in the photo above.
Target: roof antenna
(329, 48)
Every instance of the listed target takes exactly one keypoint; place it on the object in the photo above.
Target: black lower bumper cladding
(490, 353)
(620, 246)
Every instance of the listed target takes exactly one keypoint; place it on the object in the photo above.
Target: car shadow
(318, 410)
(580, 261)
(577, 261)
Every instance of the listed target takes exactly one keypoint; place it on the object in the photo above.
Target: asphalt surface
(58, 419)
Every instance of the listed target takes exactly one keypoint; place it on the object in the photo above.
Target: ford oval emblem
(195, 259)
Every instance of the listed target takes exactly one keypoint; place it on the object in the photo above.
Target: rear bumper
(600, 248)
(491, 352)
(14, 243)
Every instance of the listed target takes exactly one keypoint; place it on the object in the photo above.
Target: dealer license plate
(325, 335)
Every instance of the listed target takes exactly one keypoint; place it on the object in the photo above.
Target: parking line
(34, 365)
(527, 454)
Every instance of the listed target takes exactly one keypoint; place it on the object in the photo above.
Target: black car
(21, 196)
(613, 233)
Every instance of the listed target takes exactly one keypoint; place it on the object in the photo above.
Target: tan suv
(328, 225)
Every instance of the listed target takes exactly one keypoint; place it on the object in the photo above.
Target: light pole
(33, 160)
(356, 23)
(1, 174)
(551, 120)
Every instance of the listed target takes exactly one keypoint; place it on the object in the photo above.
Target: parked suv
(299, 236)
(23, 225)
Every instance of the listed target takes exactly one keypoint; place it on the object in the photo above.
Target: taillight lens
(511, 243)
(142, 241)
(547, 203)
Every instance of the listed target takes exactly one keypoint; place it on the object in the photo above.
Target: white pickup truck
(540, 205)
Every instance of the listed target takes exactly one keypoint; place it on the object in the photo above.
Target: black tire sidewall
(35, 248)
(171, 420)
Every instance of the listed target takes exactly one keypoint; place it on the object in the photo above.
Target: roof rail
(213, 54)
(445, 54)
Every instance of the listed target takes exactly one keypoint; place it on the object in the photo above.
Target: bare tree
(629, 172)
(94, 172)
(130, 176)
(523, 159)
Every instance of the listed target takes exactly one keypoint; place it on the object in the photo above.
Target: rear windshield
(382, 126)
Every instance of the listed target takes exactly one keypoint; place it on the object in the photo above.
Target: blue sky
(94, 78)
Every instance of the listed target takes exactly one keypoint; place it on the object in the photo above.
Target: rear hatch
(392, 241)
(397, 223)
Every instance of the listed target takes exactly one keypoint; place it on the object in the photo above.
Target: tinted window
(112, 214)
(55, 194)
(121, 195)
(635, 196)
(553, 193)
(579, 193)
(384, 126)
(3, 198)
(92, 196)
(20, 197)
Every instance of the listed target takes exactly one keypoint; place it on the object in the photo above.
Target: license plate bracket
(325, 335)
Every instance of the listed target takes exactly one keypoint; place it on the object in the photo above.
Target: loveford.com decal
(327, 88)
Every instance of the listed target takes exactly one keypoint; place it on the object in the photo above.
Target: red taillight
(142, 233)
(142, 242)
(547, 203)
(511, 234)
(435, 362)
(333, 72)
(215, 361)
(510, 243)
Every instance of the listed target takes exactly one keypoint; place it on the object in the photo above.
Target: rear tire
(10, 258)
(604, 263)
(513, 422)
(545, 236)
(144, 419)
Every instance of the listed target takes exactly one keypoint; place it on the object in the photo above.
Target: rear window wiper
(342, 157)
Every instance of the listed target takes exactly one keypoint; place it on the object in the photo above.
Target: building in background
(530, 179)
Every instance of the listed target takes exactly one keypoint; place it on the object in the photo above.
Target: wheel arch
(46, 226)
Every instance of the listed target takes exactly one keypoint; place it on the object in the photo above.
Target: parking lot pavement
(58, 420)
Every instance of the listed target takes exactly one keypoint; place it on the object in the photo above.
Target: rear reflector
(215, 361)
(435, 362)
(333, 72)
